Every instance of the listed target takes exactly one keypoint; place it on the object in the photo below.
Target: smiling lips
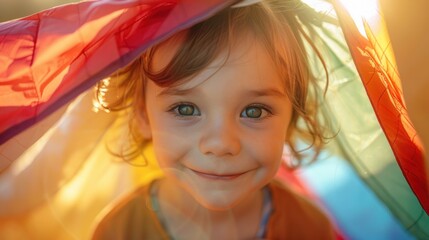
(214, 176)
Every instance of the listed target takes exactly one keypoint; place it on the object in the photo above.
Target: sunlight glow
(363, 10)
(360, 11)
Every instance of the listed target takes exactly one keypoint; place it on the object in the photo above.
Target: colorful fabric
(51, 57)
(49, 60)
(383, 87)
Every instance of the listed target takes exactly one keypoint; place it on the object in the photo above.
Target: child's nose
(220, 138)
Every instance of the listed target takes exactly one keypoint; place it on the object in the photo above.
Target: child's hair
(276, 24)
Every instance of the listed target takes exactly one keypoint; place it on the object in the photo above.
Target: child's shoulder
(296, 217)
(132, 217)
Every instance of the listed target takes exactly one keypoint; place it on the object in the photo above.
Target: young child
(218, 101)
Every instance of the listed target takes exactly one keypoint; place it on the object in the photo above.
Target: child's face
(220, 135)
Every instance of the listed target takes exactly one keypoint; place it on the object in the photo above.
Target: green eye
(186, 110)
(254, 112)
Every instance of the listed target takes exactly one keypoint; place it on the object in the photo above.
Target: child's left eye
(255, 112)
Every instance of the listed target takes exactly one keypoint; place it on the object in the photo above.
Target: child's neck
(187, 219)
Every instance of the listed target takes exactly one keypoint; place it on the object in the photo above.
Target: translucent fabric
(51, 57)
(58, 177)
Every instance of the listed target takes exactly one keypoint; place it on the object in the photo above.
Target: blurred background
(11, 9)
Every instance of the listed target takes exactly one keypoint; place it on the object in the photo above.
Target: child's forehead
(248, 59)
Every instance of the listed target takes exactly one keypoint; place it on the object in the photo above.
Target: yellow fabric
(58, 185)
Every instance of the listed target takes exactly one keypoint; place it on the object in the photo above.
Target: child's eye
(186, 109)
(255, 112)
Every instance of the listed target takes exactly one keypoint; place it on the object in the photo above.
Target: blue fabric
(356, 209)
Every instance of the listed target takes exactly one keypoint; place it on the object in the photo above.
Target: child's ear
(143, 125)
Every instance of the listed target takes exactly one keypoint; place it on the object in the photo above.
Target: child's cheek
(268, 147)
(171, 147)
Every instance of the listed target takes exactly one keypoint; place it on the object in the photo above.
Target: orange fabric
(385, 94)
(293, 217)
(296, 184)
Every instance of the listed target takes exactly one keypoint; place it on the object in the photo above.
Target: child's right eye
(186, 110)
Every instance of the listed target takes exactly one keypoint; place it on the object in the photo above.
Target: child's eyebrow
(254, 92)
(174, 92)
(266, 92)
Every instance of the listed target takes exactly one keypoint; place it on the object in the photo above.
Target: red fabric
(49, 58)
(386, 98)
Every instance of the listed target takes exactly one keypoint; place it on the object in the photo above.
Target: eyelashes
(253, 111)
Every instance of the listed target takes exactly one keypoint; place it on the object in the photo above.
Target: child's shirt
(292, 217)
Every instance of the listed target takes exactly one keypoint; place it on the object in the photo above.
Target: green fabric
(360, 138)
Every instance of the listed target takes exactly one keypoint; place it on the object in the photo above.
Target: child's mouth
(214, 176)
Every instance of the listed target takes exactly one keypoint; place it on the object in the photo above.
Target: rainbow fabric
(371, 178)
